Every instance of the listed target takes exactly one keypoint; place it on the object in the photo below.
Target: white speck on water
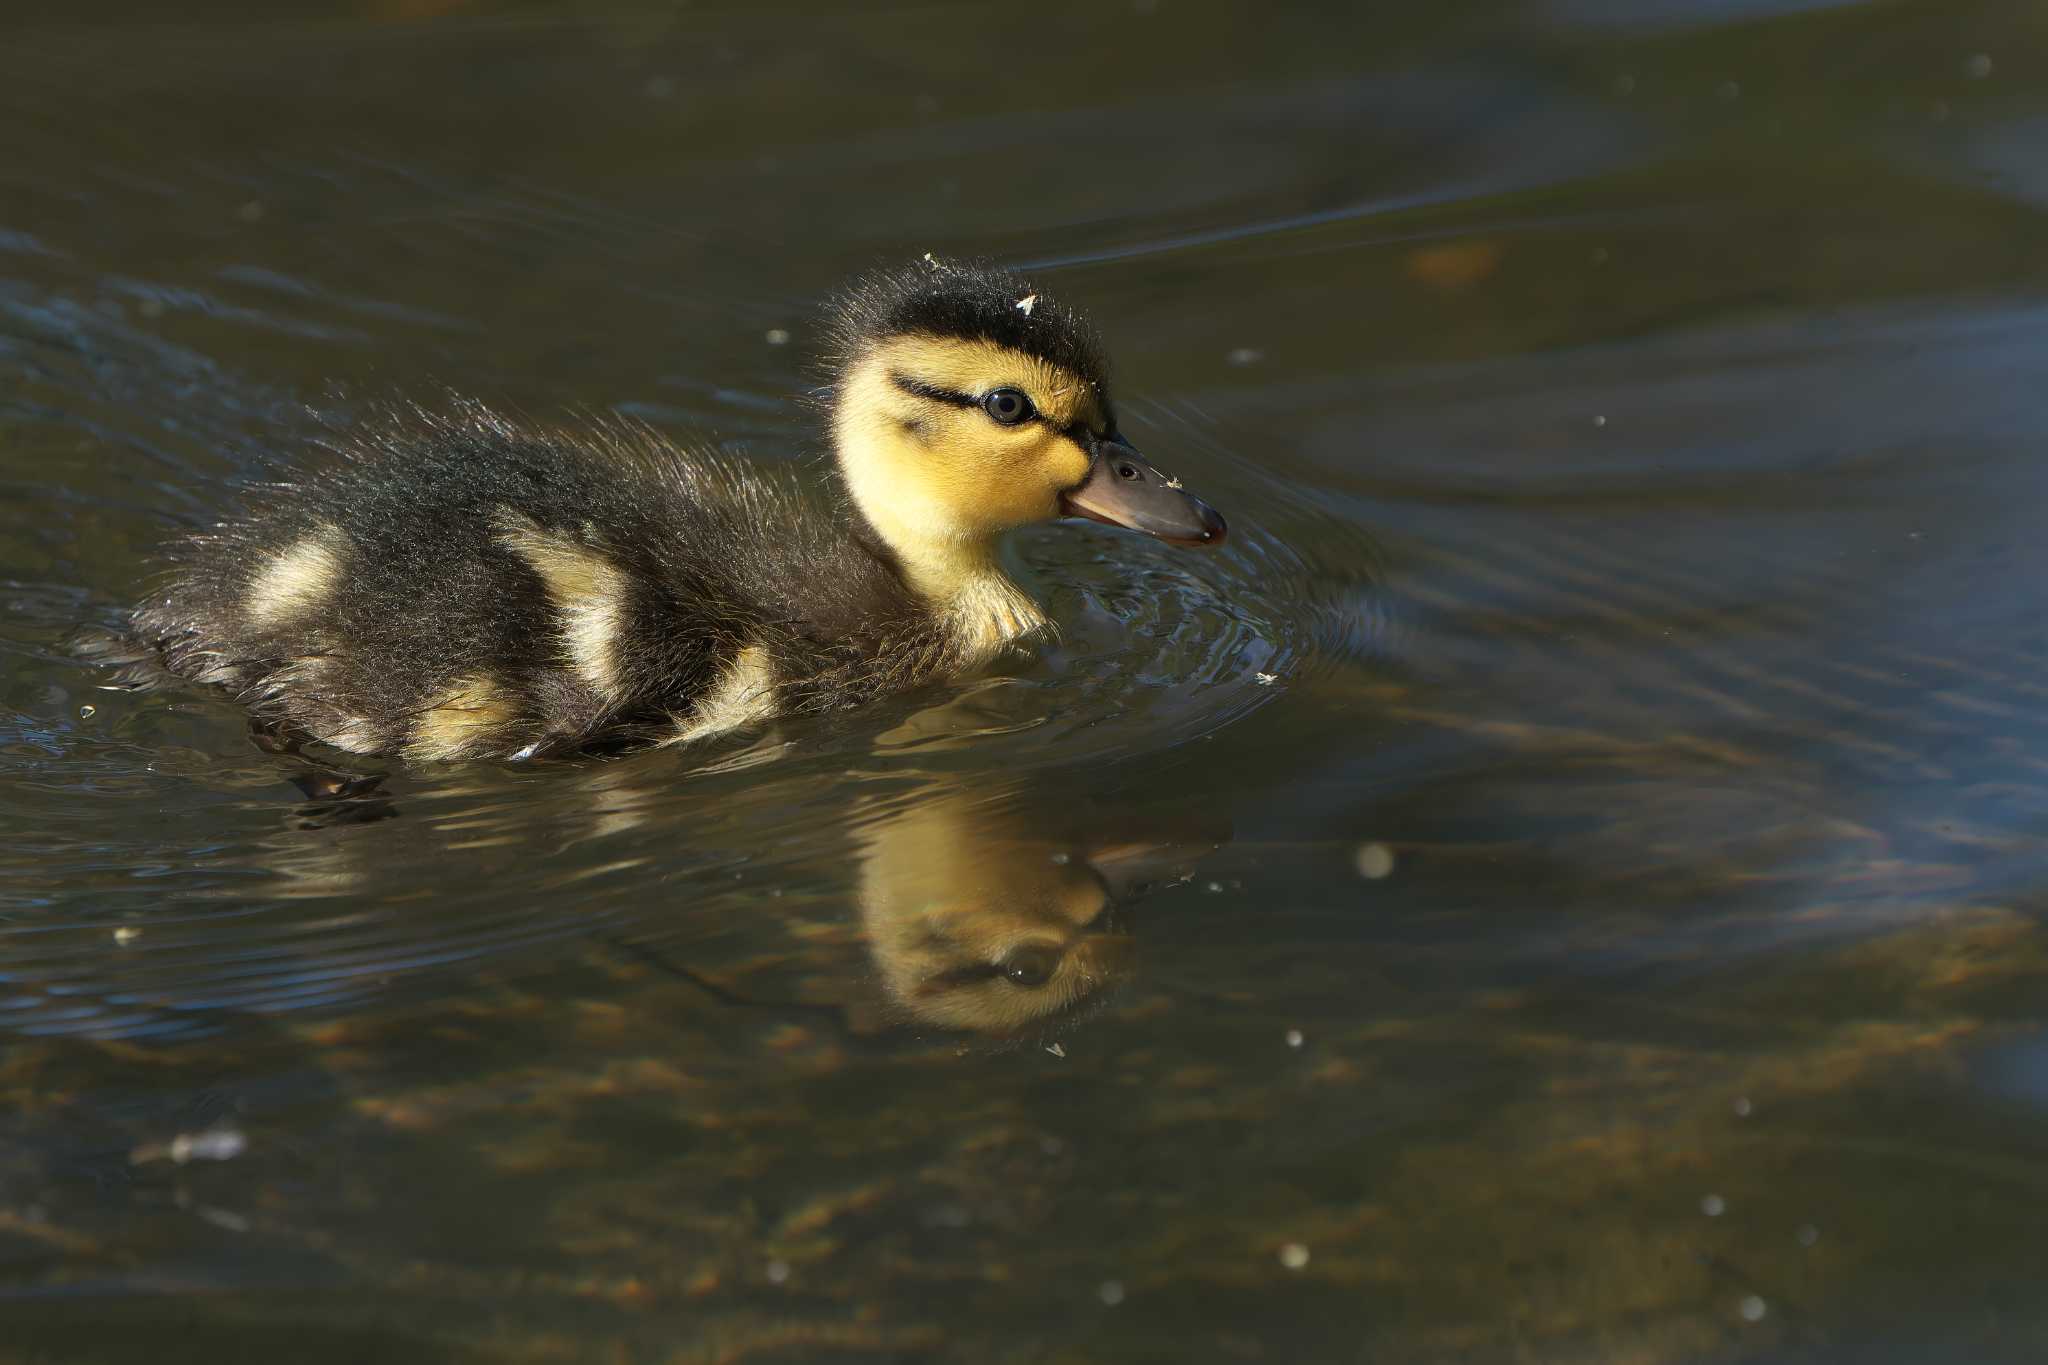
(1245, 355)
(1713, 1206)
(1752, 1309)
(1056, 1050)
(222, 1142)
(1374, 861)
(776, 336)
(929, 261)
(222, 1218)
(86, 712)
(126, 934)
(1294, 1256)
(1807, 1234)
(1599, 421)
(1295, 1037)
(1266, 679)
(1027, 303)
(778, 1272)
(1062, 859)
(1743, 1108)
(1979, 66)
(1173, 483)
(1111, 1292)
(1214, 888)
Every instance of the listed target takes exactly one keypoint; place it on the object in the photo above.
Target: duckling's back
(460, 587)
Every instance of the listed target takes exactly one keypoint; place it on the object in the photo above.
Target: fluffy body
(459, 586)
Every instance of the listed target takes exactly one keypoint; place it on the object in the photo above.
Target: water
(1564, 883)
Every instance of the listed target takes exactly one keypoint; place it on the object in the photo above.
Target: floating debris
(778, 1272)
(1713, 1206)
(1055, 1049)
(1752, 1309)
(85, 712)
(1978, 67)
(1374, 861)
(126, 935)
(777, 336)
(222, 1218)
(1173, 483)
(1743, 1108)
(1027, 303)
(1295, 1038)
(1266, 679)
(1294, 1256)
(1111, 1292)
(222, 1142)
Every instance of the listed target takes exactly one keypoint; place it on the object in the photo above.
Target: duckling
(462, 586)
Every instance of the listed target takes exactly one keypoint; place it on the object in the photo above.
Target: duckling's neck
(968, 585)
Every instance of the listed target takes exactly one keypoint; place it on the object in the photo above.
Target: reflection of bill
(975, 924)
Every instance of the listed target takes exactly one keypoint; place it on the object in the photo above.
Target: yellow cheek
(1022, 477)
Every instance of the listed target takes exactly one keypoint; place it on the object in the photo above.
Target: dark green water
(1578, 853)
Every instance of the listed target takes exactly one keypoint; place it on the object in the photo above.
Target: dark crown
(970, 301)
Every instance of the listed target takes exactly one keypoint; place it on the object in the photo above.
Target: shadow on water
(1562, 883)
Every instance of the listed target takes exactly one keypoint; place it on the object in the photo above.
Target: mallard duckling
(462, 586)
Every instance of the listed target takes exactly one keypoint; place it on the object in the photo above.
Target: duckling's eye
(1009, 407)
(1029, 966)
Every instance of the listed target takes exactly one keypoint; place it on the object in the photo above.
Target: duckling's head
(968, 402)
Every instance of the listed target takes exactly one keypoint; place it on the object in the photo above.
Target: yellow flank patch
(297, 579)
(588, 594)
(463, 724)
(980, 367)
(744, 696)
(354, 734)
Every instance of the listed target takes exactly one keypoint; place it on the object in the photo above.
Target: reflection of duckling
(466, 588)
(985, 929)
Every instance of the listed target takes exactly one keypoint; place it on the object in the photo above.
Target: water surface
(1564, 883)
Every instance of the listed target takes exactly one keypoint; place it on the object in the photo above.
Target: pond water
(1565, 883)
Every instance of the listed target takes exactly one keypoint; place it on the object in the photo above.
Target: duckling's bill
(1122, 489)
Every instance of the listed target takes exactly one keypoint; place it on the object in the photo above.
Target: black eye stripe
(917, 388)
